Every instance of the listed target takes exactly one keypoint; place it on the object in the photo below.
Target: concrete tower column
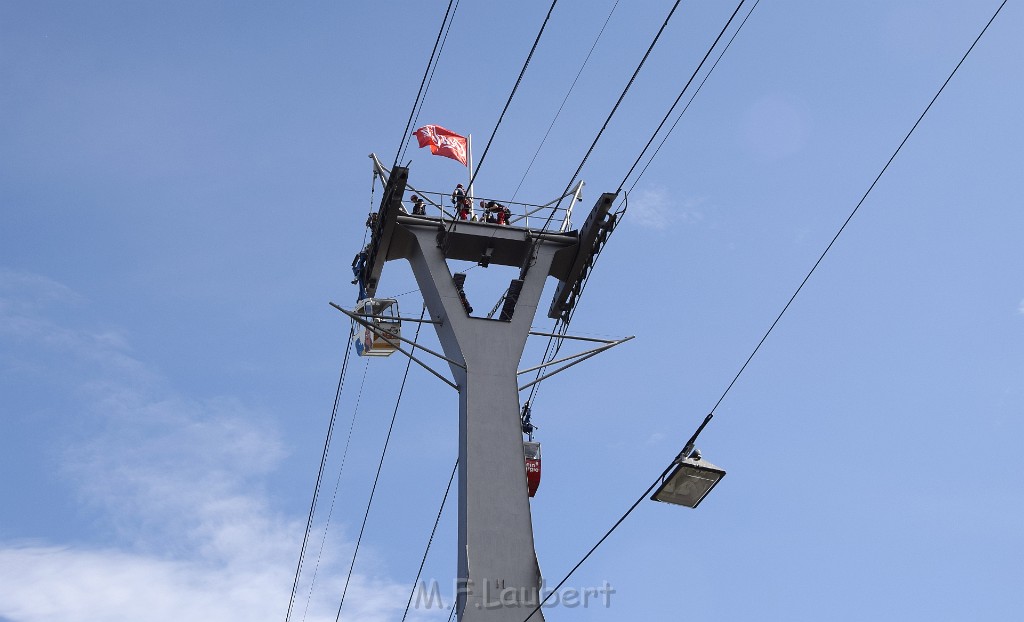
(499, 577)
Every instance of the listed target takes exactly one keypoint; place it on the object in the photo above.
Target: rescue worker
(359, 270)
(419, 208)
(496, 212)
(458, 195)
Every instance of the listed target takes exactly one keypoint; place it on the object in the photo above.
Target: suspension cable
(380, 464)
(599, 542)
(565, 99)
(856, 208)
(420, 93)
(658, 480)
(625, 202)
(319, 479)
(622, 96)
(625, 198)
(682, 92)
(611, 114)
(501, 299)
(423, 100)
(337, 485)
(560, 328)
(373, 191)
(692, 97)
(430, 540)
(522, 72)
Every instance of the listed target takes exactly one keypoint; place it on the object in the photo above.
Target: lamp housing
(688, 484)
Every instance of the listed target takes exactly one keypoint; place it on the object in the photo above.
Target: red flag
(442, 142)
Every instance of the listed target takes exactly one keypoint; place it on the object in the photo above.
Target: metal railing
(550, 217)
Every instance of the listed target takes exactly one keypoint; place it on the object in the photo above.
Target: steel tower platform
(498, 574)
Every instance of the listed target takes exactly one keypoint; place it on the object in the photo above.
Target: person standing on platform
(419, 208)
(458, 195)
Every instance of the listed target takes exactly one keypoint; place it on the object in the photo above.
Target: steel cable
(657, 481)
(430, 540)
(522, 72)
(319, 480)
(622, 96)
(419, 108)
(565, 99)
(682, 92)
(419, 94)
(380, 464)
(337, 485)
(690, 101)
(856, 208)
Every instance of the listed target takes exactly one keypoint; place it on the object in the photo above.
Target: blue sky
(183, 186)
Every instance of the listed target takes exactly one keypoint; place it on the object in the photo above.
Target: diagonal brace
(580, 357)
(389, 339)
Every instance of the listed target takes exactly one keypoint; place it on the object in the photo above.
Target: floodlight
(688, 484)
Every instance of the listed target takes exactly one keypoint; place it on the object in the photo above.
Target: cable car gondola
(531, 451)
(382, 339)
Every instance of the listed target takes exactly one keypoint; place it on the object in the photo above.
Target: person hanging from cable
(359, 270)
(419, 207)
(526, 417)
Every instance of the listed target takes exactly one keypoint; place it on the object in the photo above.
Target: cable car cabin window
(531, 451)
(380, 334)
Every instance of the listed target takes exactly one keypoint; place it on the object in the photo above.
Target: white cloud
(178, 482)
(655, 438)
(655, 209)
(24, 299)
(29, 290)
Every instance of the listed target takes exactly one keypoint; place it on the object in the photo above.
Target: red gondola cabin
(531, 450)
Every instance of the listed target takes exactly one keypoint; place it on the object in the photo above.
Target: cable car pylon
(499, 577)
